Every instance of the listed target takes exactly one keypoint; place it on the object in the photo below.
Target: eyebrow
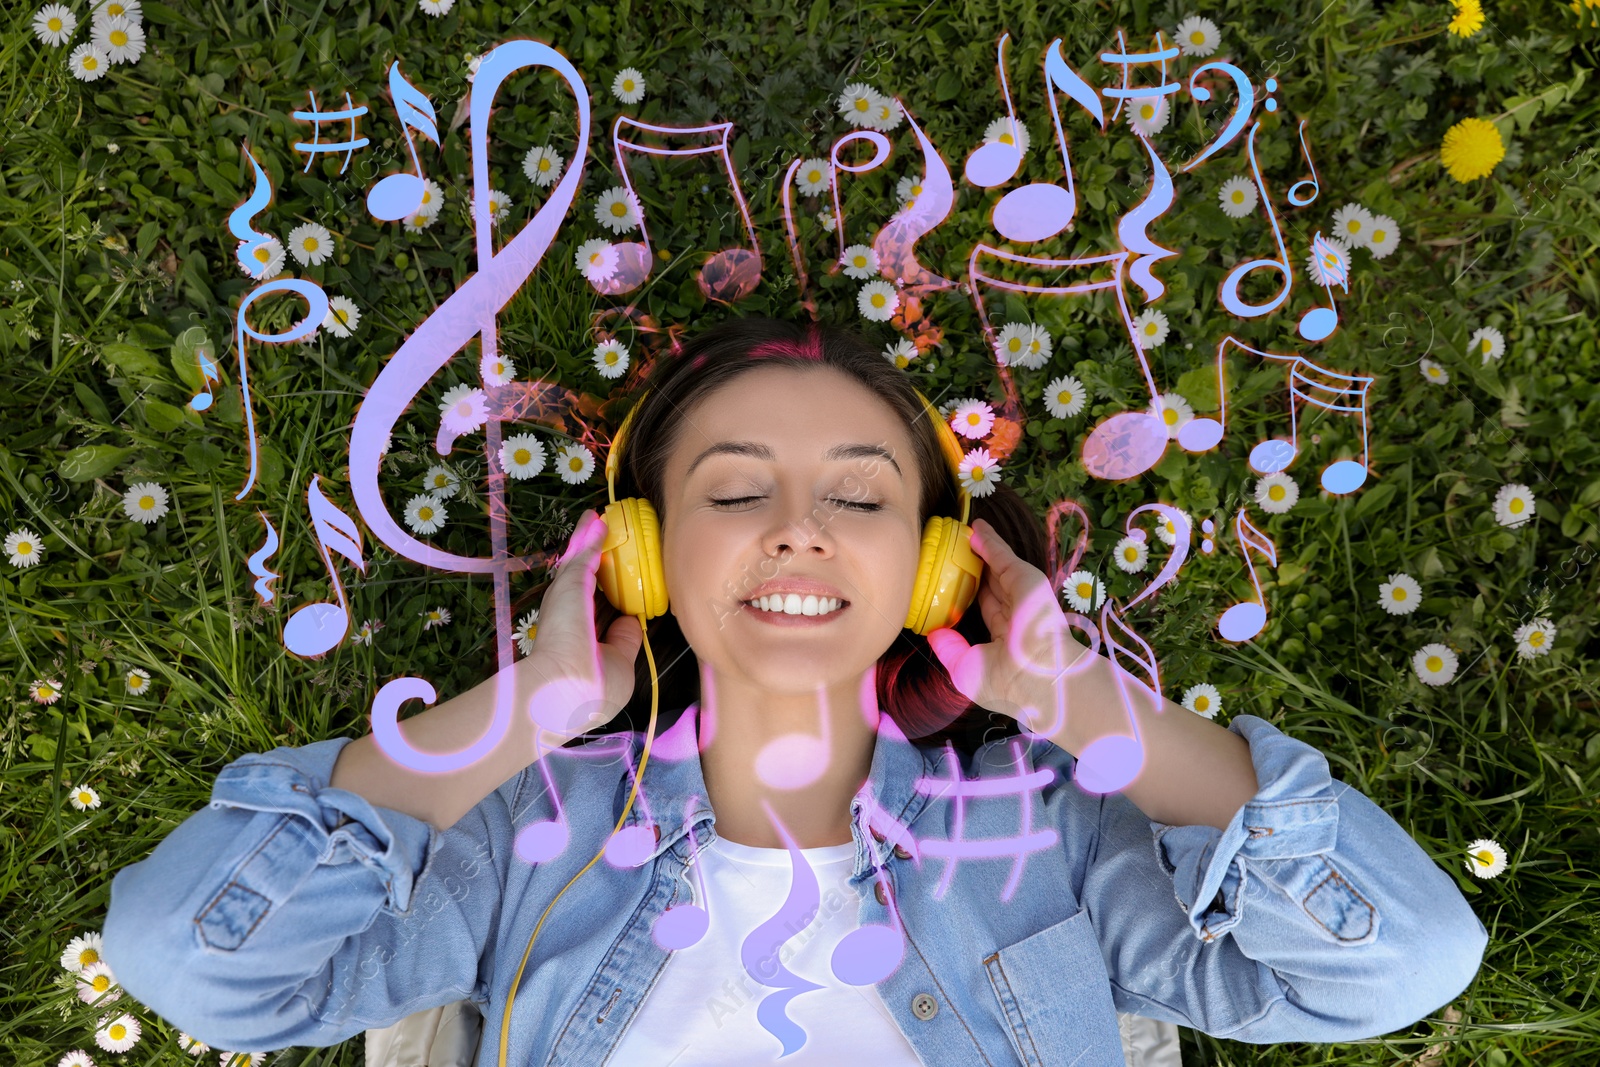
(761, 451)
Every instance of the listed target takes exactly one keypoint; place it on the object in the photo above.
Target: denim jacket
(291, 913)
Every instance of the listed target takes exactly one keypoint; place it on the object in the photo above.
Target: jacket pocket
(1056, 994)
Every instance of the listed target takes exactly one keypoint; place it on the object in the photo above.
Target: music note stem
(1196, 772)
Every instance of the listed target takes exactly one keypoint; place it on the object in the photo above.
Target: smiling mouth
(777, 603)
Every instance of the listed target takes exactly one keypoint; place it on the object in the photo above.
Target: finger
(626, 635)
(965, 671)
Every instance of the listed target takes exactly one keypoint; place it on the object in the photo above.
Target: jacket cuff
(344, 826)
(1294, 813)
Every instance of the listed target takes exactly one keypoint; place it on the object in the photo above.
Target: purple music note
(1244, 104)
(539, 842)
(761, 945)
(1319, 323)
(316, 311)
(1295, 197)
(631, 846)
(872, 951)
(240, 219)
(201, 401)
(1245, 620)
(996, 162)
(683, 925)
(317, 627)
(896, 241)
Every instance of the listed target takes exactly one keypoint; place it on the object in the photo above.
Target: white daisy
(1005, 130)
(441, 481)
(310, 244)
(499, 206)
(436, 8)
(1038, 346)
(543, 165)
(44, 690)
(901, 353)
(83, 797)
(1513, 505)
(1173, 411)
(1150, 328)
(596, 259)
(1385, 236)
(1065, 396)
(1488, 342)
(628, 85)
(432, 198)
(617, 210)
(1354, 223)
(1148, 114)
(860, 262)
(1167, 530)
(980, 473)
(1277, 493)
(886, 112)
(1485, 858)
(343, 316)
(138, 680)
(192, 1045)
(54, 24)
(364, 634)
(1534, 638)
(88, 63)
(1433, 371)
(1238, 197)
(611, 359)
(23, 547)
(426, 513)
(907, 189)
(97, 985)
(418, 222)
(249, 1059)
(83, 950)
(144, 502)
(877, 301)
(435, 617)
(1198, 36)
(110, 9)
(813, 176)
(473, 63)
(972, 419)
(1435, 664)
(1400, 595)
(826, 220)
(265, 260)
(575, 463)
(527, 630)
(120, 38)
(1132, 554)
(522, 456)
(1012, 343)
(76, 1058)
(464, 409)
(117, 1034)
(1084, 591)
(855, 103)
(1203, 699)
(1325, 270)
(497, 371)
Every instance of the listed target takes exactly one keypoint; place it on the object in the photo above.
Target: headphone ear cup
(948, 573)
(630, 572)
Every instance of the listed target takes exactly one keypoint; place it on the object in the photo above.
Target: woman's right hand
(579, 682)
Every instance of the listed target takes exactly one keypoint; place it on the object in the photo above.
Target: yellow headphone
(631, 576)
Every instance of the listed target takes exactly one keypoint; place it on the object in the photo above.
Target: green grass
(107, 258)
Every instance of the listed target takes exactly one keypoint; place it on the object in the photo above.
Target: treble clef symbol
(469, 312)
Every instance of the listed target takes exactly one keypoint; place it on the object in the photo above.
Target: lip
(778, 618)
(803, 586)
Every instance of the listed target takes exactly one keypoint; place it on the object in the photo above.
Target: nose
(799, 525)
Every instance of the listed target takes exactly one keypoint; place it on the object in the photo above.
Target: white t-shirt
(702, 1010)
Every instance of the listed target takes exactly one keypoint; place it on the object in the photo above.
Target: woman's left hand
(1031, 648)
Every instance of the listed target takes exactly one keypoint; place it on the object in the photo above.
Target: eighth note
(208, 371)
(315, 628)
(400, 195)
(1320, 322)
(1245, 620)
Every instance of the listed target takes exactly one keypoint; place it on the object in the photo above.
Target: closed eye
(862, 505)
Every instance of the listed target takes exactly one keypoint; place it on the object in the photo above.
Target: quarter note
(317, 627)
(1295, 196)
(795, 760)
(400, 195)
(996, 162)
(631, 846)
(1245, 620)
(683, 925)
(1230, 284)
(872, 951)
(539, 842)
(1320, 322)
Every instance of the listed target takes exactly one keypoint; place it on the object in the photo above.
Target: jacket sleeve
(1313, 917)
(289, 913)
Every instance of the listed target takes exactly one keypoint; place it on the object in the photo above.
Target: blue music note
(400, 195)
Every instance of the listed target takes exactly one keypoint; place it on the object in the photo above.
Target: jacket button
(876, 835)
(924, 1006)
(901, 853)
(883, 898)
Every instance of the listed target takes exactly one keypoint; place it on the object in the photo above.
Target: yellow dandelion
(1468, 18)
(1471, 149)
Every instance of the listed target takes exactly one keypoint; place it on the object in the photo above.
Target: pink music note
(631, 846)
(1229, 291)
(1245, 620)
(727, 275)
(539, 842)
(801, 279)
(1128, 443)
(996, 162)
(317, 627)
(880, 152)
(400, 195)
(896, 242)
(683, 925)
(795, 760)
(872, 951)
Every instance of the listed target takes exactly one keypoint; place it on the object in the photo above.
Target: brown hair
(912, 686)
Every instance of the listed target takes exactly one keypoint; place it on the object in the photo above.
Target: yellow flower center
(1379, 235)
(1169, 416)
(521, 456)
(1085, 589)
(1197, 37)
(619, 209)
(1484, 857)
(594, 258)
(1433, 372)
(972, 419)
(262, 254)
(24, 548)
(1147, 111)
(862, 104)
(859, 261)
(88, 956)
(118, 38)
(342, 316)
(574, 463)
(1486, 344)
(1276, 492)
(1016, 344)
(1536, 638)
(879, 300)
(427, 194)
(1151, 328)
(627, 85)
(133, 680)
(544, 164)
(611, 358)
(311, 244)
(1399, 593)
(1434, 663)
(425, 513)
(84, 798)
(1238, 196)
(47, 691)
(1517, 505)
(499, 368)
(147, 501)
(55, 25)
(1064, 397)
(117, 1031)
(1005, 138)
(901, 361)
(90, 63)
(813, 175)
(977, 474)
(916, 190)
(1353, 226)
(1202, 702)
(1130, 553)
(101, 983)
(114, 10)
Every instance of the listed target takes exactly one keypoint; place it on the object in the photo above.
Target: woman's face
(751, 496)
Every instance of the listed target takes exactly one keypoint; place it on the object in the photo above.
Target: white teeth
(794, 604)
